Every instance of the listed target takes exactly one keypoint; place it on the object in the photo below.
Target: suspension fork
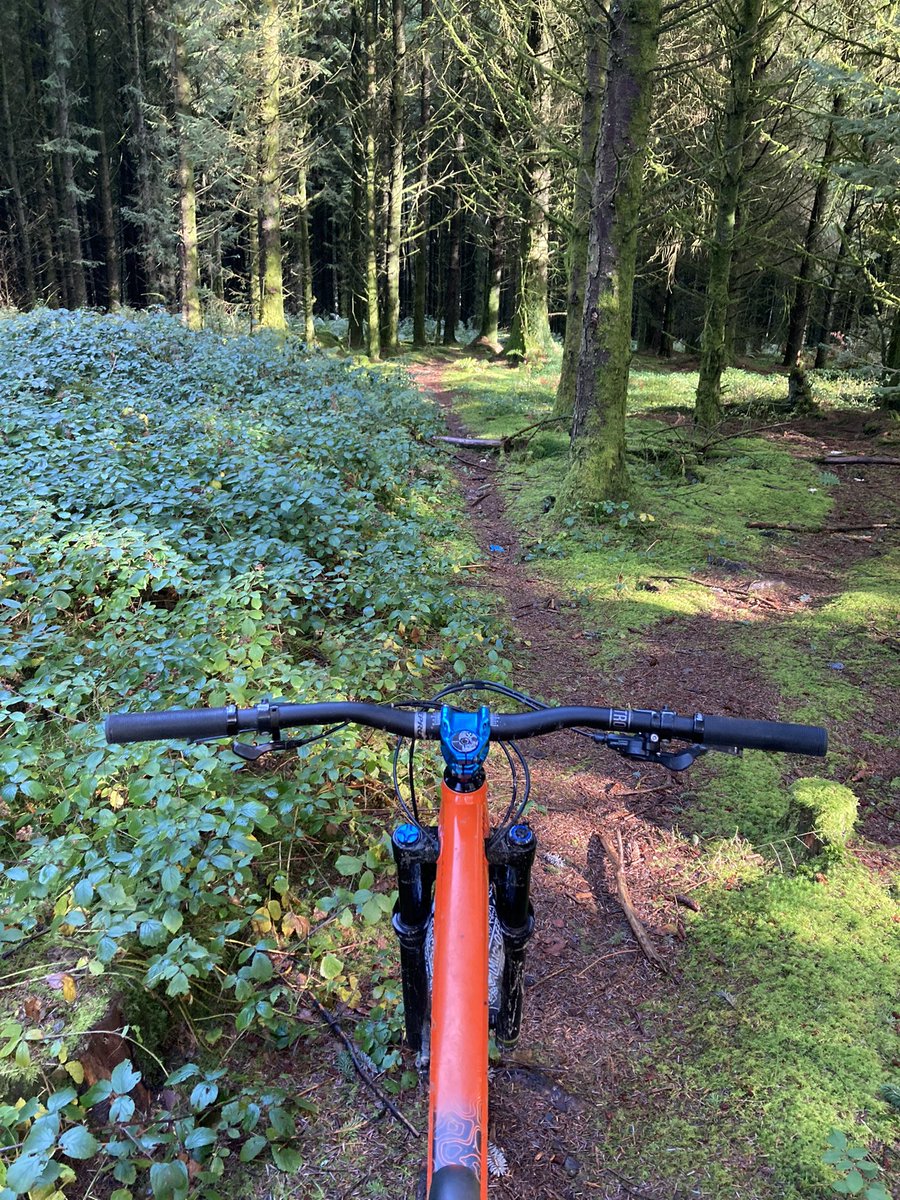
(510, 861)
(415, 854)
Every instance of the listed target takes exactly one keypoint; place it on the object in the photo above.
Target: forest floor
(594, 1102)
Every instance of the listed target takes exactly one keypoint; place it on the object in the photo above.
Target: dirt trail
(587, 975)
(584, 1029)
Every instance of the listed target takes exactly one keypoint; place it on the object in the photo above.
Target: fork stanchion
(510, 870)
(415, 856)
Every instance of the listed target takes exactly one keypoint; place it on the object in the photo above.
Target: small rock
(764, 585)
(571, 1166)
(836, 666)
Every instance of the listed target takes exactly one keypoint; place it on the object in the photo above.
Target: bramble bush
(192, 519)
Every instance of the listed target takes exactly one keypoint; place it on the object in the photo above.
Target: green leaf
(199, 1137)
(282, 1122)
(877, 1191)
(78, 1142)
(261, 968)
(203, 1095)
(23, 1172)
(169, 1181)
(42, 1134)
(330, 967)
(252, 1147)
(121, 1194)
(170, 879)
(286, 1158)
(855, 1182)
(172, 919)
(346, 864)
(371, 911)
(124, 1077)
(837, 1140)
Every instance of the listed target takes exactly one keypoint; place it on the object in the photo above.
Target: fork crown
(464, 740)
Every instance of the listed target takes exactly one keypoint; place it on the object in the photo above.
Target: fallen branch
(848, 460)
(360, 1069)
(822, 528)
(616, 856)
(497, 443)
(716, 587)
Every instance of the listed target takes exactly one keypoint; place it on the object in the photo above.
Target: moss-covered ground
(783, 1024)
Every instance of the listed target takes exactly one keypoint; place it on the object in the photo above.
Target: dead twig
(360, 1069)
(680, 898)
(616, 857)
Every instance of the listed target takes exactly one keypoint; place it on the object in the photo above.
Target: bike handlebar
(272, 717)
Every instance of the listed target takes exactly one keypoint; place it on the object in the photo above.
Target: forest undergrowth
(194, 518)
(783, 1026)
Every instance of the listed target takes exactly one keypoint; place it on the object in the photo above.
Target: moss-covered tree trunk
(452, 288)
(395, 194)
(271, 315)
(799, 318)
(744, 43)
(591, 103)
(420, 251)
(304, 254)
(370, 156)
(187, 192)
(529, 336)
(254, 275)
(597, 469)
(889, 392)
(489, 331)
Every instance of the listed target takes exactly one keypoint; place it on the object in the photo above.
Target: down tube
(457, 1125)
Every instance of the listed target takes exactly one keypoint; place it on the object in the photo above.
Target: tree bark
(452, 289)
(597, 469)
(489, 332)
(104, 172)
(530, 335)
(305, 256)
(64, 151)
(395, 199)
(591, 104)
(799, 318)
(834, 281)
(744, 46)
(187, 192)
(29, 290)
(420, 253)
(271, 314)
(370, 157)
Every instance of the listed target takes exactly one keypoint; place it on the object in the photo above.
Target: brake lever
(252, 753)
(646, 748)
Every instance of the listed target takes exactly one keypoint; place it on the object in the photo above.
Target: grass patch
(782, 1032)
(687, 516)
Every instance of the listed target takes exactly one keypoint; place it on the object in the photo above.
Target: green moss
(782, 1031)
(823, 813)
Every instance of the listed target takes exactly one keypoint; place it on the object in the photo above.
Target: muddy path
(586, 1025)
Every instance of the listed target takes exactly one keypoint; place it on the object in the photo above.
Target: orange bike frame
(457, 1121)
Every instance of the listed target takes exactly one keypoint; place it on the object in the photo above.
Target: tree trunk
(29, 291)
(187, 193)
(306, 269)
(254, 275)
(64, 151)
(889, 391)
(395, 198)
(591, 104)
(530, 335)
(104, 174)
(837, 270)
(597, 469)
(140, 147)
(489, 333)
(744, 46)
(423, 206)
(271, 314)
(452, 291)
(370, 110)
(799, 318)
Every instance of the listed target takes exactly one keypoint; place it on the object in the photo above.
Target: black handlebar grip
(175, 725)
(765, 735)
